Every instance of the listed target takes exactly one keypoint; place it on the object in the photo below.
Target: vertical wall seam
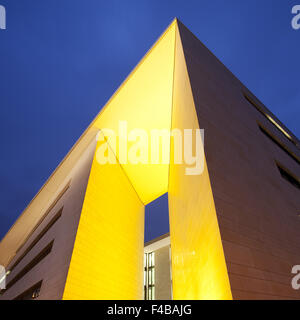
(171, 126)
(172, 102)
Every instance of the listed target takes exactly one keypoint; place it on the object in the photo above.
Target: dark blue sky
(61, 60)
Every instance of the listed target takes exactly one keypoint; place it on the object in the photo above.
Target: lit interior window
(149, 276)
(277, 125)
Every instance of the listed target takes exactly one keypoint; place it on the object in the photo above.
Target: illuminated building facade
(157, 269)
(234, 229)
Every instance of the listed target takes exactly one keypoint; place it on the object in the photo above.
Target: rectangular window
(275, 123)
(38, 238)
(278, 143)
(149, 276)
(31, 265)
(288, 176)
(64, 190)
(31, 293)
(151, 293)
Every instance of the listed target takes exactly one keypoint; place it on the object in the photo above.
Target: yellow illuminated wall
(198, 264)
(145, 101)
(107, 260)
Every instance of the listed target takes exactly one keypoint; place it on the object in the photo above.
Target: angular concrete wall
(198, 265)
(53, 269)
(107, 260)
(258, 211)
(240, 215)
(162, 274)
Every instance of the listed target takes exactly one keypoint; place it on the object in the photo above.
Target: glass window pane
(150, 293)
(153, 276)
(153, 293)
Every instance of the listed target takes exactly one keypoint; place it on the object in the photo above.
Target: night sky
(61, 60)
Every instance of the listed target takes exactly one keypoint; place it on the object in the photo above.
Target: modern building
(157, 269)
(234, 228)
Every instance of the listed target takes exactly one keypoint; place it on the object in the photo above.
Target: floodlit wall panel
(144, 101)
(107, 260)
(198, 264)
(257, 209)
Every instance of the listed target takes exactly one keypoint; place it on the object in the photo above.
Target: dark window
(270, 118)
(46, 213)
(30, 294)
(279, 144)
(31, 265)
(38, 238)
(288, 176)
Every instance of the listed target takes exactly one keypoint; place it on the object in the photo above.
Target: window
(288, 176)
(275, 123)
(278, 143)
(38, 238)
(149, 276)
(31, 265)
(151, 293)
(64, 190)
(30, 294)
